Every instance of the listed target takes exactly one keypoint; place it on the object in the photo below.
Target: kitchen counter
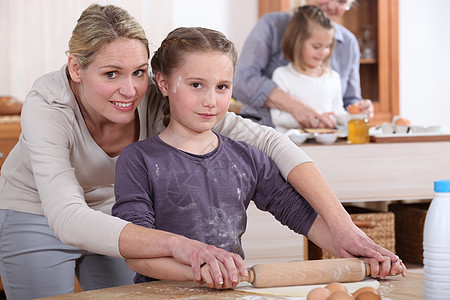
(397, 288)
(382, 171)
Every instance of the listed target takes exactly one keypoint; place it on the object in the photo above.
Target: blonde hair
(181, 41)
(100, 25)
(299, 29)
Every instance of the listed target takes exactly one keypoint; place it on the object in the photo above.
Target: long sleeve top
(57, 169)
(204, 197)
(262, 54)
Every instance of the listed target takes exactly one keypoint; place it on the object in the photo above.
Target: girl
(193, 182)
(307, 44)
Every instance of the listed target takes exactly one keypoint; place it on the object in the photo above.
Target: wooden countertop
(398, 288)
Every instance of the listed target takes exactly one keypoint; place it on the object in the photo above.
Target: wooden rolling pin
(308, 272)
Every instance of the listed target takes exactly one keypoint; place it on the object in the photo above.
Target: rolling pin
(308, 272)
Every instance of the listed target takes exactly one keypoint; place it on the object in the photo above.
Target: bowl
(326, 138)
(296, 136)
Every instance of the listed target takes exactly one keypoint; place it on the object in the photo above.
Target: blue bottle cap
(442, 186)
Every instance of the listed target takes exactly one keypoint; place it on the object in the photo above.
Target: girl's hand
(207, 277)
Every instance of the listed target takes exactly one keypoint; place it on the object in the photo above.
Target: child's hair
(299, 29)
(181, 41)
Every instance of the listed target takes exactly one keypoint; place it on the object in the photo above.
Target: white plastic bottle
(436, 244)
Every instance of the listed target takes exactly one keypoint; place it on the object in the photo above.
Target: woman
(57, 183)
(253, 83)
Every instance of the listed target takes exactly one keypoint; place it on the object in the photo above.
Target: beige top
(57, 169)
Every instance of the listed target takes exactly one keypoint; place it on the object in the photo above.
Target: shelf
(367, 61)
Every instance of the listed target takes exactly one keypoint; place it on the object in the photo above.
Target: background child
(191, 181)
(308, 43)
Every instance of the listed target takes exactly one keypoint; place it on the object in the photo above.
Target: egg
(368, 295)
(318, 294)
(340, 295)
(336, 286)
(365, 289)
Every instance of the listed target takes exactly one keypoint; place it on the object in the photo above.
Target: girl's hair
(299, 29)
(184, 40)
(100, 25)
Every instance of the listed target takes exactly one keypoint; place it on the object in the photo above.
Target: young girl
(194, 182)
(307, 44)
(190, 180)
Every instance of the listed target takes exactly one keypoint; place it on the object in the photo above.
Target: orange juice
(358, 130)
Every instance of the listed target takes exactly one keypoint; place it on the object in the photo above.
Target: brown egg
(318, 294)
(365, 289)
(368, 295)
(340, 295)
(336, 286)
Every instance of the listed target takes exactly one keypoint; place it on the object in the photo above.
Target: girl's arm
(167, 268)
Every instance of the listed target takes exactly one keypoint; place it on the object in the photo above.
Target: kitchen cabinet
(9, 135)
(375, 24)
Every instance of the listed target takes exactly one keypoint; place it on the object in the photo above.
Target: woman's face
(114, 83)
(199, 90)
(334, 9)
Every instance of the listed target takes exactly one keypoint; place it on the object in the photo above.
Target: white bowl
(296, 136)
(326, 138)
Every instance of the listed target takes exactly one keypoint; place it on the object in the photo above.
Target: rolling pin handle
(250, 278)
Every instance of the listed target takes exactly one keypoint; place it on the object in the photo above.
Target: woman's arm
(321, 235)
(306, 178)
(348, 240)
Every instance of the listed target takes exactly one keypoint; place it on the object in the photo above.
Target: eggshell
(340, 295)
(336, 286)
(368, 295)
(318, 294)
(365, 289)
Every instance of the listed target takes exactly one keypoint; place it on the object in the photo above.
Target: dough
(303, 290)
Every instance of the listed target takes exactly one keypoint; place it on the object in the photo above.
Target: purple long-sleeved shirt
(204, 197)
(262, 54)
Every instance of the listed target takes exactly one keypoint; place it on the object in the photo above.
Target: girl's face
(114, 83)
(199, 90)
(334, 9)
(316, 48)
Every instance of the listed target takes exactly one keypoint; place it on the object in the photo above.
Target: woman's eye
(197, 85)
(138, 73)
(111, 75)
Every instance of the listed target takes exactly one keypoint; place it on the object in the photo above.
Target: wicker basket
(379, 226)
(409, 223)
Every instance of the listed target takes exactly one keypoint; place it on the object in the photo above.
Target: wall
(424, 63)
(34, 33)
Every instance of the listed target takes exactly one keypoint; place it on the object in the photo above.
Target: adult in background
(262, 54)
(57, 184)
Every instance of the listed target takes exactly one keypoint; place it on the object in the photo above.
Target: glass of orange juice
(358, 129)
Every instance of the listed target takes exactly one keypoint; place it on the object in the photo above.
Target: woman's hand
(385, 268)
(224, 267)
(350, 241)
